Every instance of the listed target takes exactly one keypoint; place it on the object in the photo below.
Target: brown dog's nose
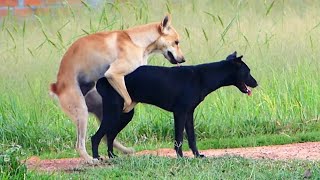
(182, 60)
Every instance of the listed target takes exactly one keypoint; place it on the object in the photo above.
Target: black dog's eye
(176, 42)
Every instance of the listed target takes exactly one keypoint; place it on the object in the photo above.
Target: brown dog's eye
(176, 42)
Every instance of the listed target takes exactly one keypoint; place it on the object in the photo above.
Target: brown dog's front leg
(117, 82)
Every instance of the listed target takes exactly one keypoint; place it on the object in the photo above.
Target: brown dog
(112, 54)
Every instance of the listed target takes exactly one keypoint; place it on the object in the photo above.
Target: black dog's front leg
(191, 135)
(179, 122)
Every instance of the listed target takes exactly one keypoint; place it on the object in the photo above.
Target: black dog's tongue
(249, 92)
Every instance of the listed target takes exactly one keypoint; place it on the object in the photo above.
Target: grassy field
(280, 43)
(150, 167)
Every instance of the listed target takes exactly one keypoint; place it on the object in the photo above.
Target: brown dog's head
(168, 42)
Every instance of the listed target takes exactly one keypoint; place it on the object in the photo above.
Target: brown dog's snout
(182, 60)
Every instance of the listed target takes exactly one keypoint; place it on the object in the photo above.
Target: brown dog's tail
(53, 90)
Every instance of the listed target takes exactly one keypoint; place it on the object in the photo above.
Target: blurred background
(279, 41)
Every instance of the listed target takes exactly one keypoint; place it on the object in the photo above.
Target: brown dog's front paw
(128, 108)
(93, 161)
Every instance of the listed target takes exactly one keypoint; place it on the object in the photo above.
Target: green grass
(10, 165)
(150, 167)
(279, 41)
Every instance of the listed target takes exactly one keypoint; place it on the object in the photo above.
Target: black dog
(177, 89)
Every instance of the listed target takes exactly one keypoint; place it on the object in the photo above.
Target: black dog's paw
(200, 156)
(97, 159)
(112, 155)
(96, 156)
(100, 158)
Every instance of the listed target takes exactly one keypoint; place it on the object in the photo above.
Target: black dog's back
(154, 85)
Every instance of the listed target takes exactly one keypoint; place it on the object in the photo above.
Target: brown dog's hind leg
(73, 104)
(94, 104)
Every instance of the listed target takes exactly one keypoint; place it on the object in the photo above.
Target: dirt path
(302, 151)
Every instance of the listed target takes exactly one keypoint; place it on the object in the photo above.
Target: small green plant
(10, 164)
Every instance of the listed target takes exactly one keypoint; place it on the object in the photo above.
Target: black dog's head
(243, 78)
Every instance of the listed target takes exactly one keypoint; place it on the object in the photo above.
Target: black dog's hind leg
(86, 87)
(115, 127)
(96, 138)
(191, 135)
(179, 122)
(111, 114)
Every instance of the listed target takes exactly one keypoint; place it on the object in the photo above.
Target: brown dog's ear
(165, 24)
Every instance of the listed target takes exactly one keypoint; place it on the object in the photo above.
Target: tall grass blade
(39, 20)
(91, 26)
(220, 20)
(269, 8)
(227, 29)
(24, 28)
(86, 5)
(246, 39)
(64, 25)
(59, 37)
(102, 17)
(311, 42)
(45, 34)
(53, 44)
(205, 34)
(4, 23)
(168, 8)
(12, 37)
(30, 52)
(15, 29)
(114, 6)
(211, 15)
(187, 32)
(71, 11)
(316, 26)
(87, 33)
(40, 46)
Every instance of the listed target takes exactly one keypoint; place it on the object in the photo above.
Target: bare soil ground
(299, 151)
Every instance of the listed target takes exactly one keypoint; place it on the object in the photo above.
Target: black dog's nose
(183, 60)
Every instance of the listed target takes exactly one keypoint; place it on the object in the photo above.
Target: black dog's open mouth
(245, 89)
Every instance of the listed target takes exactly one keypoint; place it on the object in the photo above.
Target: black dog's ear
(235, 53)
(232, 56)
(238, 60)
